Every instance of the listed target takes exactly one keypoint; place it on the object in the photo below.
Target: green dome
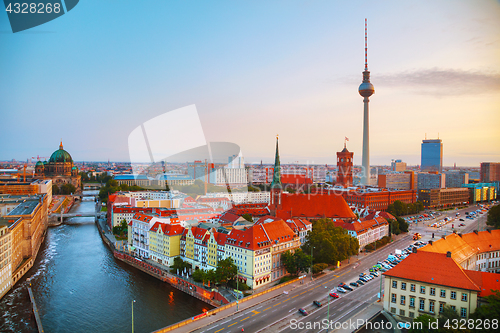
(39, 163)
(60, 155)
(73, 168)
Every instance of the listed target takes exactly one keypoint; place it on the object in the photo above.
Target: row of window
(411, 314)
(432, 290)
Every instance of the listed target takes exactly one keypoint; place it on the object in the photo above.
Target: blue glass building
(432, 155)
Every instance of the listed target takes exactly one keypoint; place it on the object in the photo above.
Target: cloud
(443, 82)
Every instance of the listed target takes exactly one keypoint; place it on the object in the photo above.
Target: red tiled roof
(486, 281)
(314, 206)
(168, 229)
(228, 218)
(464, 247)
(360, 227)
(258, 209)
(295, 179)
(260, 236)
(433, 268)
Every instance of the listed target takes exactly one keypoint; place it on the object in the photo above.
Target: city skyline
(255, 70)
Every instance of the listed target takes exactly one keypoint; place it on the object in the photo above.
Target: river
(80, 287)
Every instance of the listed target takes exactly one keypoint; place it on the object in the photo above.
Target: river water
(80, 287)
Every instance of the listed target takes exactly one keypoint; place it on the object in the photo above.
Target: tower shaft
(365, 178)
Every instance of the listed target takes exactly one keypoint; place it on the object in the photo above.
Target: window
(412, 302)
(412, 287)
(403, 300)
(443, 293)
(431, 306)
(453, 307)
(464, 297)
(393, 310)
(412, 314)
(432, 291)
(422, 305)
(394, 284)
(401, 312)
(403, 285)
(463, 312)
(393, 298)
(453, 295)
(422, 290)
(441, 307)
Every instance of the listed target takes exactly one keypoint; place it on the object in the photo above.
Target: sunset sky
(255, 69)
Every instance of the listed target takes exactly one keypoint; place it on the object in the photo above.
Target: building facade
(443, 197)
(490, 172)
(432, 156)
(430, 180)
(416, 287)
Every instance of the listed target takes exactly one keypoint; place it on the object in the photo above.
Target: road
(277, 314)
(280, 314)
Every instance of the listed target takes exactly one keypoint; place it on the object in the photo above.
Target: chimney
(443, 237)
(448, 254)
(489, 230)
(460, 234)
(430, 242)
(475, 231)
(414, 250)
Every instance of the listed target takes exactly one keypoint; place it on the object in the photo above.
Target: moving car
(318, 303)
(303, 311)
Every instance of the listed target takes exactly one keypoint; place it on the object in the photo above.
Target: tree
(68, 188)
(318, 268)
(330, 243)
(199, 275)
(226, 270)
(403, 225)
(446, 320)
(297, 262)
(494, 217)
(489, 310)
(55, 189)
(247, 217)
(179, 264)
(394, 226)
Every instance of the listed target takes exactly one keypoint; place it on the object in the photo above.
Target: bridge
(92, 186)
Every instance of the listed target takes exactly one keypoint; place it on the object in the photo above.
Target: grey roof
(25, 208)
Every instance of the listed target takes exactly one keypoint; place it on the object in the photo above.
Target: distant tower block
(344, 167)
(366, 89)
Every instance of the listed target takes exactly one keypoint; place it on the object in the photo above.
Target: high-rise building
(344, 167)
(490, 172)
(456, 178)
(366, 89)
(432, 155)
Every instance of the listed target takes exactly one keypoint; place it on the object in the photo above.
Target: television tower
(366, 89)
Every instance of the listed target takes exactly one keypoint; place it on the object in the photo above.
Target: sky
(255, 69)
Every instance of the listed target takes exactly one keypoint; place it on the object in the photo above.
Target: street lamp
(237, 290)
(133, 315)
(312, 247)
(328, 313)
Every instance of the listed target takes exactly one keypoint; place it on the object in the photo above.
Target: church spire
(277, 168)
(61, 145)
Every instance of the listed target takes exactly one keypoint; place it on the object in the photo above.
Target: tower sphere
(366, 89)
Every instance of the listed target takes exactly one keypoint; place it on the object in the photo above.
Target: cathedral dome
(60, 155)
(39, 163)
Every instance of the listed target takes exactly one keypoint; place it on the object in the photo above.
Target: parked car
(341, 290)
(334, 295)
(354, 284)
(374, 273)
(364, 279)
(318, 303)
(461, 225)
(303, 311)
(359, 282)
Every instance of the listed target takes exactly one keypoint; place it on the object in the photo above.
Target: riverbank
(206, 294)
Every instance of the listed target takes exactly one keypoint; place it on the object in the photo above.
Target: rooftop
(26, 207)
